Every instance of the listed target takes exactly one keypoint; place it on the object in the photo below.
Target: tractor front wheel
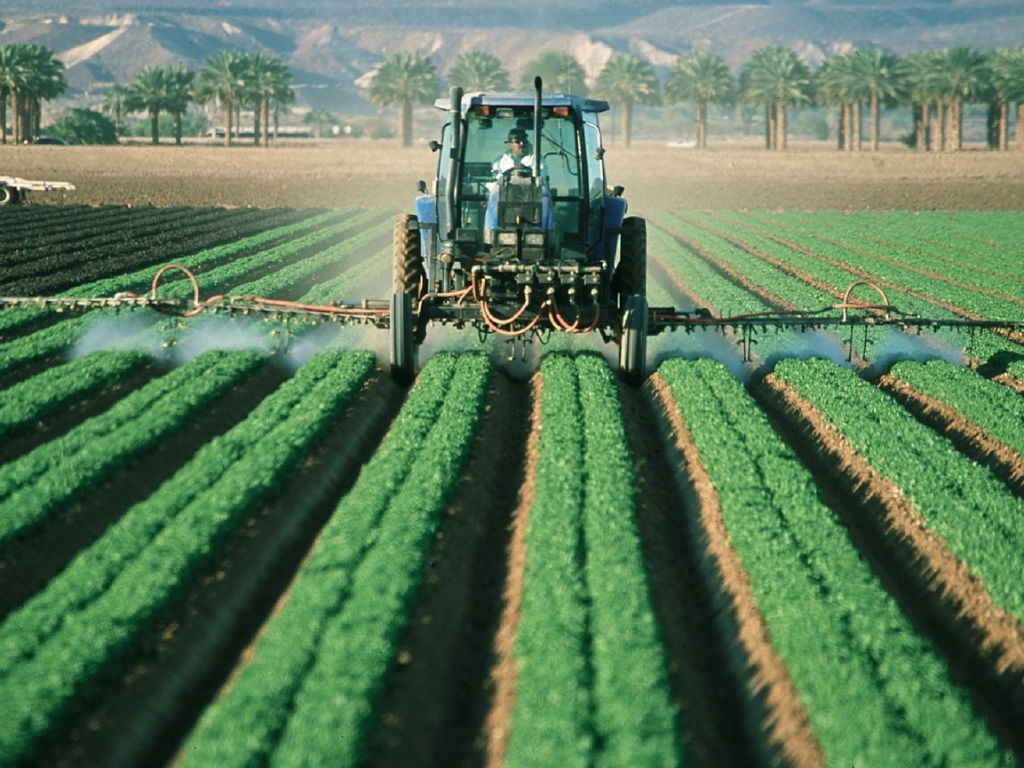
(631, 271)
(633, 342)
(409, 275)
(403, 346)
(8, 195)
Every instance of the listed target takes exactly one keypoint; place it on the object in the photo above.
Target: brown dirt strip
(498, 728)
(767, 721)
(982, 643)
(450, 691)
(139, 716)
(1005, 463)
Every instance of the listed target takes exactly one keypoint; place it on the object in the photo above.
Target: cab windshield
(487, 131)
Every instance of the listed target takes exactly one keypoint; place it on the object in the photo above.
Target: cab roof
(578, 104)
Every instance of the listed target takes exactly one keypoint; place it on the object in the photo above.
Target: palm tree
(775, 79)
(113, 104)
(266, 78)
(700, 78)
(559, 71)
(963, 75)
(12, 75)
(478, 71)
(221, 79)
(876, 70)
(1007, 68)
(29, 74)
(628, 80)
(405, 79)
(831, 88)
(149, 92)
(178, 81)
(918, 87)
(320, 119)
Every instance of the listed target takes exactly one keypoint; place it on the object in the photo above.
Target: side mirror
(434, 146)
(422, 187)
(599, 153)
(617, 190)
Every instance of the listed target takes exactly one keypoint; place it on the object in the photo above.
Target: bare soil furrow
(982, 643)
(744, 706)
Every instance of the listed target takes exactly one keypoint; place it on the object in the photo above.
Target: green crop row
(26, 403)
(34, 485)
(592, 686)
(140, 280)
(309, 694)
(902, 275)
(977, 516)
(821, 267)
(875, 692)
(142, 565)
(52, 340)
(998, 410)
(87, 576)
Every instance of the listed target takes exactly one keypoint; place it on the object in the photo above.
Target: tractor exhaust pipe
(538, 90)
(455, 118)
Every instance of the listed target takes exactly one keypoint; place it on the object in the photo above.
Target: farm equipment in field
(14, 189)
(520, 242)
(524, 248)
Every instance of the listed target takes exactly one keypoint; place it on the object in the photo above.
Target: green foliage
(80, 626)
(875, 692)
(587, 692)
(559, 70)
(84, 126)
(977, 516)
(310, 693)
(34, 485)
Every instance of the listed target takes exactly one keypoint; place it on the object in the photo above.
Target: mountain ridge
(333, 49)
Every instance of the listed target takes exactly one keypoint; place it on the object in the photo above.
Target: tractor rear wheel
(633, 341)
(631, 271)
(409, 275)
(403, 347)
(8, 195)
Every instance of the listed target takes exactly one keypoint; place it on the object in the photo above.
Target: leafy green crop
(876, 693)
(589, 692)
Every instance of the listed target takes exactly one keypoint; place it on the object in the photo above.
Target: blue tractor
(520, 246)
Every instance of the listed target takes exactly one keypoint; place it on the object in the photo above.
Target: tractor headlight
(535, 239)
(507, 238)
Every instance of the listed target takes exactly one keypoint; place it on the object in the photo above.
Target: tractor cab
(519, 235)
(548, 203)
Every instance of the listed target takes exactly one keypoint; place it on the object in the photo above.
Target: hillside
(331, 48)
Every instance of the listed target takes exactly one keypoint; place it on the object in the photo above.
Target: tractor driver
(518, 156)
(517, 160)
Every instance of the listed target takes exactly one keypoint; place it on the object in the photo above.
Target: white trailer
(13, 188)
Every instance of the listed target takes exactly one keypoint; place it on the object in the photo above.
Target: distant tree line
(935, 84)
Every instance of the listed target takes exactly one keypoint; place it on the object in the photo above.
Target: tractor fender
(614, 214)
(426, 214)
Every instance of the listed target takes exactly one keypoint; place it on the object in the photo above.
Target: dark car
(50, 140)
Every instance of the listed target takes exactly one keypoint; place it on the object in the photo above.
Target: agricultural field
(234, 541)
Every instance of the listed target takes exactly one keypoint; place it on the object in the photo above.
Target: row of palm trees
(29, 75)
(935, 84)
(232, 79)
